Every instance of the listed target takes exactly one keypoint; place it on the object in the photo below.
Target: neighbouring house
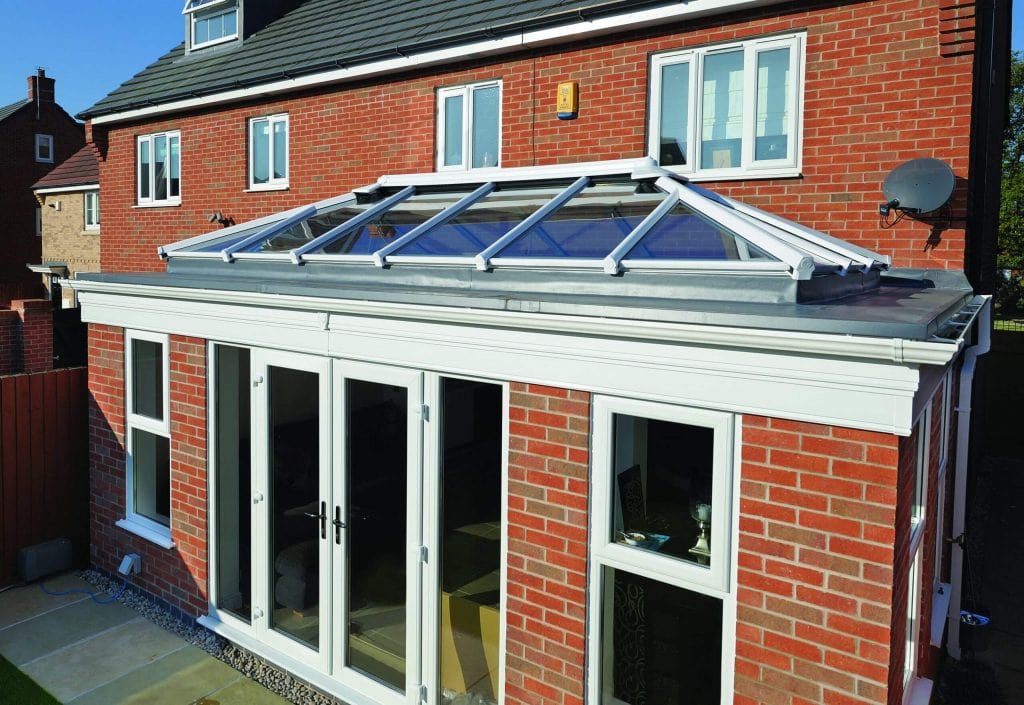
(69, 200)
(36, 134)
(518, 366)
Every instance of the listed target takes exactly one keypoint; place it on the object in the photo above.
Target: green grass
(18, 689)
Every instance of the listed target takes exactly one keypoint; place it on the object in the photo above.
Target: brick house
(36, 134)
(534, 418)
(69, 199)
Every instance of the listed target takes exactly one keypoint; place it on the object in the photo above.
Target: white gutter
(68, 189)
(629, 21)
(938, 351)
(963, 429)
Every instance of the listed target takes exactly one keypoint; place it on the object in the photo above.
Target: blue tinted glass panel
(590, 225)
(480, 225)
(307, 230)
(390, 225)
(684, 234)
(675, 109)
(221, 243)
(453, 130)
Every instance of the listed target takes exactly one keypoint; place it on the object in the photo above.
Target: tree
(1011, 209)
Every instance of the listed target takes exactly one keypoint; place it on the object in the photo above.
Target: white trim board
(628, 21)
(720, 373)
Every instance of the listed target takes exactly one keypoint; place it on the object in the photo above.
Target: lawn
(18, 689)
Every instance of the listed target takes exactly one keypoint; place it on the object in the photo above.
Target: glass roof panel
(389, 225)
(220, 243)
(309, 229)
(685, 234)
(588, 226)
(480, 225)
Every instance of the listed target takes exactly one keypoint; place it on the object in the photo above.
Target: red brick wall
(10, 342)
(548, 491)
(36, 323)
(815, 564)
(880, 89)
(178, 575)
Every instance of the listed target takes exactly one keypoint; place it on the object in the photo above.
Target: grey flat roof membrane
(616, 240)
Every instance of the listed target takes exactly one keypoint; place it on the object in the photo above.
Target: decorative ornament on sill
(702, 549)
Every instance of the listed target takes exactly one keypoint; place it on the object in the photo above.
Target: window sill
(919, 692)
(737, 175)
(160, 539)
(159, 204)
(940, 612)
(90, 231)
(271, 187)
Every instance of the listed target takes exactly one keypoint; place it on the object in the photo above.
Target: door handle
(338, 524)
(322, 516)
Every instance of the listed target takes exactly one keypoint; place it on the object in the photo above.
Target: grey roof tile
(320, 35)
(8, 110)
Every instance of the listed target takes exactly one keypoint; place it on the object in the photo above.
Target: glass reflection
(687, 234)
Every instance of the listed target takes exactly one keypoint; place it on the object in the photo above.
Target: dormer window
(211, 22)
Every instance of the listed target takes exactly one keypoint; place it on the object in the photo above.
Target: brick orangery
(566, 407)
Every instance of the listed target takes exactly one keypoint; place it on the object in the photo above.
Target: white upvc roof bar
(228, 252)
(380, 256)
(801, 264)
(352, 223)
(614, 258)
(483, 258)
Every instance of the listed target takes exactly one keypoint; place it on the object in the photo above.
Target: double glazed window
(158, 157)
(918, 520)
(44, 148)
(92, 210)
(469, 126)
(211, 21)
(268, 152)
(660, 548)
(728, 109)
(147, 433)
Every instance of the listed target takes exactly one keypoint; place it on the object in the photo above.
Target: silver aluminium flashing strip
(380, 256)
(897, 350)
(801, 265)
(483, 259)
(352, 223)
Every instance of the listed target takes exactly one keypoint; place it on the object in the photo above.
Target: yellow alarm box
(568, 104)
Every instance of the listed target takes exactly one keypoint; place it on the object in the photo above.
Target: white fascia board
(897, 350)
(629, 21)
(68, 189)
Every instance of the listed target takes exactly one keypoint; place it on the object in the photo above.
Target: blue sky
(92, 46)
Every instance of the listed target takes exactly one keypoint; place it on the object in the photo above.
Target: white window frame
(716, 580)
(195, 11)
(41, 140)
(94, 222)
(788, 166)
(915, 560)
(271, 184)
(152, 200)
(466, 91)
(134, 522)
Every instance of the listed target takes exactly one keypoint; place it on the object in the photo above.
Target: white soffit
(537, 38)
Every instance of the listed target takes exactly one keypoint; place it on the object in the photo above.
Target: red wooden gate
(44, 463)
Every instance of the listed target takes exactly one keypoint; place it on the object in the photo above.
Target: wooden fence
(44, 463)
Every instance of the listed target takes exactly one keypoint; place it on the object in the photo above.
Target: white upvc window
(729, 110)
(92, 210)
(158, 176)
(44, 148)
(211, 22)
(147, 436)
(915, 559)
(268, 152)
(661, 552)
(469, 126)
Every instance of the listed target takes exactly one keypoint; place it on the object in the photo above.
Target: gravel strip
(243, 661)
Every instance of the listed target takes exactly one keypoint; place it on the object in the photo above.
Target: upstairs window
(159, 169)
(92, 210)
(211, 22)
(268, 152)
(44, 149)
(469, 126)
(729, 110)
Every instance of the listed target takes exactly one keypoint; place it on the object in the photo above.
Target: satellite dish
(918, 186)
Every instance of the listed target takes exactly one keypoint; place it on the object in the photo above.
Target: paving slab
(243, 692)
(91, 663)
(28, 640)
(19, 604)
(180, 678)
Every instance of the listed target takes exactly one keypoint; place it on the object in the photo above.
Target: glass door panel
(293, 435)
